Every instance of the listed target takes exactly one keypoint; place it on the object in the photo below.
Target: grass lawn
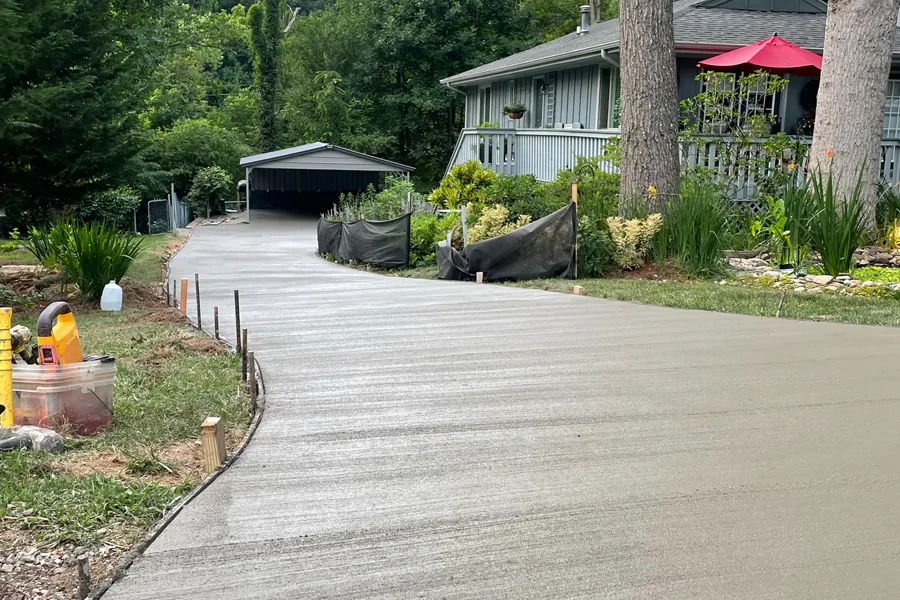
(104, 492)
(709, 295)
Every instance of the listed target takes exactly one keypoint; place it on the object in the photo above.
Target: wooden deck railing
(545, 152)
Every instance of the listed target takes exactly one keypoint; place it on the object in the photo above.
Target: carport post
(247, 187)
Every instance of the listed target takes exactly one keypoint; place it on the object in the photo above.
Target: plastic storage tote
(77, 395)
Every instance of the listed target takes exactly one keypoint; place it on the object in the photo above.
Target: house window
(892, 111)
(732, 102)
(484, 105)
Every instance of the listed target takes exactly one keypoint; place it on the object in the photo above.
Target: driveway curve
(428, 439)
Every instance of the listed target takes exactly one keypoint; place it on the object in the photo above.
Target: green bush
(494, 222)
(598, 192)
(595, 254)
(115, 207)
(210, 187)
(425, 231)
(836, 227)
(523, 195)
(695, 229)
(91, 254)
(98, 254)
(48, 245)
(464, 184)
(389, 203)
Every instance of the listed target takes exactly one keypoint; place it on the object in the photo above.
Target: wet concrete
(432, 439)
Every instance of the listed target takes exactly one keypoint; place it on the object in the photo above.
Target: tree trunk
(850, 108)
(649, 103)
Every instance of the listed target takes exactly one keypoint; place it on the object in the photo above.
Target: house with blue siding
(570, 87)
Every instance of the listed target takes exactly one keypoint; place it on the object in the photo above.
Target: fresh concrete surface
(428, 439)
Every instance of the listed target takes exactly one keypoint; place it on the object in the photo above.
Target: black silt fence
(380, 243)
(545, 248)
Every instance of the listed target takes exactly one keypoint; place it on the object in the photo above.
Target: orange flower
(791, 166)
(829, 153)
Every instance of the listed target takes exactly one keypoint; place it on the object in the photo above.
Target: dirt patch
(205, 345)
(651, 271)
(165, 315)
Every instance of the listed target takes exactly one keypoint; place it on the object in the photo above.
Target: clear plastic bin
(78, 395)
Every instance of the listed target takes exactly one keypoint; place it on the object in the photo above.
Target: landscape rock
(821, 279)
(772, 274)
(868, 283)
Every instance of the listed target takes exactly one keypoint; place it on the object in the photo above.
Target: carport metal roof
(322, 157)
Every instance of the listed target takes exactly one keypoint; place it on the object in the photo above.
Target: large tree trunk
(850, 110)
(649, 102)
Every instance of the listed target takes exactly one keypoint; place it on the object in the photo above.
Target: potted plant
(514, 111)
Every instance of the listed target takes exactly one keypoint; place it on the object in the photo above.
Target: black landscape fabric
(380, 243)
(545, 248)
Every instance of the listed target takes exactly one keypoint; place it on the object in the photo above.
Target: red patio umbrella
(773, 54)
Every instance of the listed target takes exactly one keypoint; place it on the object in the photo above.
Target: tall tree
(266, 33)
(649, 101)
(73, 78)
(850, 109)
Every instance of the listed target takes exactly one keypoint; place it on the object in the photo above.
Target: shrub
(464, 184)
(523, 195)
(631, 239)
(494, 222)
(594, 248)
(389, 203)
(98, 254)
(115, 207)
(209, 188)
(598, 192)
(696, 229)
(49, 245)
(425, 231)
(836, 227)
(887, 216)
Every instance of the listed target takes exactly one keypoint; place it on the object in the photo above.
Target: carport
(310, 178)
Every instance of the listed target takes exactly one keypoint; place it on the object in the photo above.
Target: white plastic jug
(112, 297)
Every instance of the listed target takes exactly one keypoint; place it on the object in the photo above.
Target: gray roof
(268, 157)
(696, 27)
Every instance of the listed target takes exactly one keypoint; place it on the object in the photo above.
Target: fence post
(174, 296)
(197, 292)
(251, 365)
(237, 320)
(243, 355)
(184, 288)
(216, 320)
(465, 225)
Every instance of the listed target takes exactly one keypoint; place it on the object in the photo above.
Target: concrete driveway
(428, 439)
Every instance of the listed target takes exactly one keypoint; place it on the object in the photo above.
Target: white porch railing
(545, 152)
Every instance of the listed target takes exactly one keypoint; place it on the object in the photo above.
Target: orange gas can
(58, 340)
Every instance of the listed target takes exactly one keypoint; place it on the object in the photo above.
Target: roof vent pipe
(585, 19)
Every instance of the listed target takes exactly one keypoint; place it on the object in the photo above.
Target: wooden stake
(174, 297)
(212, 440)
(237, 320)
(216, 320)
(578, 290)
(479, 277)
(251, 365)
(83, 571)
(183, 302)
(575, 200)
(243, 355)
(197, 293)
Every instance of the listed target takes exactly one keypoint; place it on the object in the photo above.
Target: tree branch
(293, 17)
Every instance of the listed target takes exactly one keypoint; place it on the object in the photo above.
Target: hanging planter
(514, 111)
